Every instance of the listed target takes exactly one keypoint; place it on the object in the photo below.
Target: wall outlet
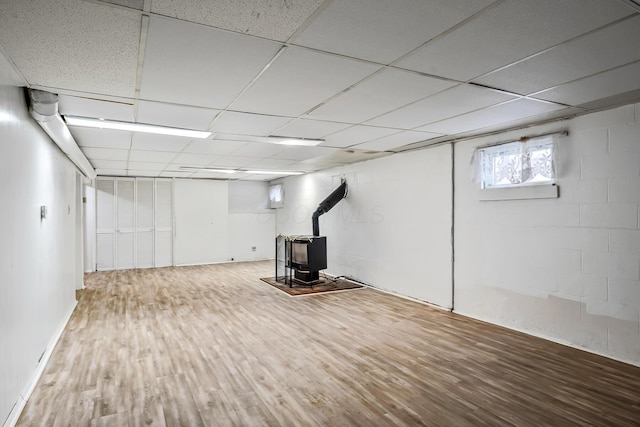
(253, 248)
(43, 212)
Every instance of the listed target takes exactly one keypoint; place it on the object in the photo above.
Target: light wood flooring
(215, 346)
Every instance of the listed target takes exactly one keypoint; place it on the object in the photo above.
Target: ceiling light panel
(452, 102)
(385, 91)
(271, 19)
(509, 32)
(178, 116)
(596, 52)
(382, 31)
(86, 46)
(181, 59)
(299, 80)
(134, 127)
(248, 124)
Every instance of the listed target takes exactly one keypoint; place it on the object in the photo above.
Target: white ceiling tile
(101, 138)
(304, 153)
(303, 128)
(599, 86)
(383, 92)
(151, 156)
(503, 113)
(382, 30)
(104, 153)
(299, 80)
(248, 124)
(192, 64)
(142, 172)
(231, 162)
(146, 166)
(396, 140)
(153, 142)
(508, 32)
(258, 149)
(9, 75)
(270, 164)
(271, 19)
(179, 116)
(194, 159)
(452, 102)
(356, 135)
(111, 172)
(109, 164)
(599, 51)
(73, 44)
(99, 109)
(216, 146)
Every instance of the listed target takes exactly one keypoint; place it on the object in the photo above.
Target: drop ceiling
(368, 77)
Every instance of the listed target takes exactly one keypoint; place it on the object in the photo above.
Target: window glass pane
(517, 163)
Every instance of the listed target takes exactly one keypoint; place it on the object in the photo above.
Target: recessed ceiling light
(134, 127)
(286, 140)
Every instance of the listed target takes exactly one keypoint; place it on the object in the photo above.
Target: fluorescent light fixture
(286, 140)
(134, 127)
(191, 169)
(274, 172)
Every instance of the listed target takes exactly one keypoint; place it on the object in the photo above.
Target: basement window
(515, 164)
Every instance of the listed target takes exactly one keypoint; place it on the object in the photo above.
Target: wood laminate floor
(215, 346)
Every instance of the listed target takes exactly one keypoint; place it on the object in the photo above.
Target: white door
(163, 237)
(144, 222)
(125, 223)
(105, 223)
(202, 221)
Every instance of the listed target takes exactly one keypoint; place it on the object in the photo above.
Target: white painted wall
(201, 221)
(392, 231)
(567, 269)
(37, 258)
(251, 223)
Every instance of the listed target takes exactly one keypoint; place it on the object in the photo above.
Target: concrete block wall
(567, 269)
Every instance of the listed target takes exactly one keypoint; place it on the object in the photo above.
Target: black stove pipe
(327, 204)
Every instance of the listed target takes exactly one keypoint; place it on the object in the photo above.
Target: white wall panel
(392, 231)
(558, 268)
(201, 221)
(37, 257)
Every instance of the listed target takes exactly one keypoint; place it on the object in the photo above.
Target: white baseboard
(15, 413)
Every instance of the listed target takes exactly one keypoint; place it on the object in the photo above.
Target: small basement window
(515, 164)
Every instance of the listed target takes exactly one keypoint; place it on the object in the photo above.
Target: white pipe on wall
(44, 109)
